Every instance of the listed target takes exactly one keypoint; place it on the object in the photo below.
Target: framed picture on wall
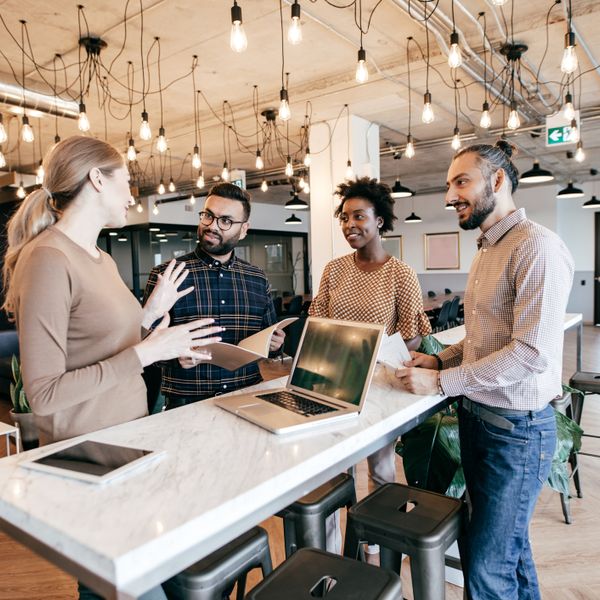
(392, 244)
(442, 251)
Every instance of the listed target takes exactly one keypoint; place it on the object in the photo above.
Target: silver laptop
(329, 380)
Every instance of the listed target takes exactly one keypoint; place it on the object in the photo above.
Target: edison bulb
(427, 116)
(3, 135)
(21, 191)
(139, 207)
(161, 187)
(161, 141)
(145, 131)
(39, 174)
(2, 160)
(362, 73)
(514, 122)
(237, 39)
(485, 122)
(306, 189)
(307, 159)
(574, 134)
(409, 151)
(569, 62)
(289, 169)
(196, 161)
(131, 152)
(172, 187)
(192, 200)
(456, 140)
(155, 210)
(579, 153)
(349, 171)
(83, 123)
(454, 56)
(295, 29)
(264, 186)
(260, 164)
(26, 131)
(200, 181)
(225, 172)
(284, 105)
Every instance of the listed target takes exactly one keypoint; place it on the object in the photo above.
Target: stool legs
(427, 572)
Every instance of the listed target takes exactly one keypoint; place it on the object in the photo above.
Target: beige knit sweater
(77, 323)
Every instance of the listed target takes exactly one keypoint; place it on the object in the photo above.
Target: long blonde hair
(66, 169)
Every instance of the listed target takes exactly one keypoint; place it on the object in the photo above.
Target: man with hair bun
(505, 371)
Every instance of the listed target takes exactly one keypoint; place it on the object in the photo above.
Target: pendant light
(574, 133)
(155, 210)
(362, 72)
(200, 180)
(593, 203)
(536, 174)
(161, 141)
(307, 157)
(284, 105)
(400, 191)
(289, 169)
(568, 108)
(295, 29)
(569, 62)
(570, 192)
(296, 203)
(26, 130)
(579, 153)
(264, 186)
(21, 193)
(409, 151)
(427, 116)
(293, 220)
(131, 151)
(454, 56)
(139, 207)
(485, 121)
(161, 187)
(2, 159)
(196, 162)
(225, 172)
(260, 163)
(349, 174)
(27, 134)
(83, 123)
(284, 101)
(196, 158)
(172, 187)
(413, 218)
(237, 38)
(514, 122)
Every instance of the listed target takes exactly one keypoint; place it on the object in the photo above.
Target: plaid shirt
(515, 303)
(238, 296)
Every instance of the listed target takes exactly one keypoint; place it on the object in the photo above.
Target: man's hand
(419, 381)
(276, 340)
(424, 361)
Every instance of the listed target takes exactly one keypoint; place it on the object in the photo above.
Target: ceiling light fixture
(569, 62)
(409, 151)
(139, 207)
(568, 108)
(579, 153)
(456, 143)
(260, 163)
(289, 169)
(427, 115)
(307, 157)
(26, 130)
(131, 151)
(161, 141)
(570, 192)
(536, 174)
(574, 133)
(155, 209)
(200, 180)
(3, 135)
(454, 56)
(225, 172)
(237, 39)
(593, 203)
(362, 72)
(296, 203)
(485, 121)
(21, 193)
(2, 159)
(413, 218)
(264, 185)
(293, 220)
(83, 123)
(172, 187)
(161, 187)
(295, 29)
(401, 191)
(514, 122)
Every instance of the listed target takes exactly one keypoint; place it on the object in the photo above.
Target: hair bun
(506, 147)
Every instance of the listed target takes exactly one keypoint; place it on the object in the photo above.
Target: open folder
(254, 347)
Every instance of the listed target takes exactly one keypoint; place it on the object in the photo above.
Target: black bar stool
(312, 573)
(304, 520)
(214, 576)
(403, 519)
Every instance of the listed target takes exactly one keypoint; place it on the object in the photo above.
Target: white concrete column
(327, 170)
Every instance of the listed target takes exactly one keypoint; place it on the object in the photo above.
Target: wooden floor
(567, 556)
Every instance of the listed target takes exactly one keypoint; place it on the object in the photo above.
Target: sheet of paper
(393, 351)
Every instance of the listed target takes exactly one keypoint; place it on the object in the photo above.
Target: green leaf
(431, 456)
(430, 345)
(568, 438)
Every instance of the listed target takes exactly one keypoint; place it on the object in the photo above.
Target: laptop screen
(335, 359)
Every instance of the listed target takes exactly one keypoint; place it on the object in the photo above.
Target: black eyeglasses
(224, 223)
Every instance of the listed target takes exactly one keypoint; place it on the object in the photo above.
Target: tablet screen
(92, 458)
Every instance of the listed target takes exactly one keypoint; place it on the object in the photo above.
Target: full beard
(218, 249)
(484, 206)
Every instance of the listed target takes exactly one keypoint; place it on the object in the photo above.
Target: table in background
(221, 476)
(435, 303)
(456, 334)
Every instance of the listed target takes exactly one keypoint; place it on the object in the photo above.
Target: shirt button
(485, 250)
(220, 274)
(216, 263)
(224, 386)
(222, 301)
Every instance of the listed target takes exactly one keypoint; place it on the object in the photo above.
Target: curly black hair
(378, 194)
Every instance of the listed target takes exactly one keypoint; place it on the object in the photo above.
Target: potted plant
(21, 414)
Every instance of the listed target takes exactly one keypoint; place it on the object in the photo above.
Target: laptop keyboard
(296, 403)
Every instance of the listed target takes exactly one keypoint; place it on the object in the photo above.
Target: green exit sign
(559, 131)
(560, 135)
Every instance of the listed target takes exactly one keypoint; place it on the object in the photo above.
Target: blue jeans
(504, 472)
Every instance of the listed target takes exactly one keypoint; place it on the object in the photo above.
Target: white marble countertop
(455, 334)
(221, 475)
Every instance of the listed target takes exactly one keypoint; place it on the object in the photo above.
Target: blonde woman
(80, 328)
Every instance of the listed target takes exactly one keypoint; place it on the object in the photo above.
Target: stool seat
(304, 521)
(407, 520)
(217, 573)
(312, 573)
(586, 381)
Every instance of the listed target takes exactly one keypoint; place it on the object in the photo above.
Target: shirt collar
(209, 261)
(495, 233)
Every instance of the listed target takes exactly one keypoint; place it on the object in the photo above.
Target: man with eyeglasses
(233, 292)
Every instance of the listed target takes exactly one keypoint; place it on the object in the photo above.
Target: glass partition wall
(138, 248)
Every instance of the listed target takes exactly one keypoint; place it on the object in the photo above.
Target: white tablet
(94, 462)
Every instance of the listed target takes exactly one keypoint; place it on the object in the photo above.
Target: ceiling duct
(13, 95)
